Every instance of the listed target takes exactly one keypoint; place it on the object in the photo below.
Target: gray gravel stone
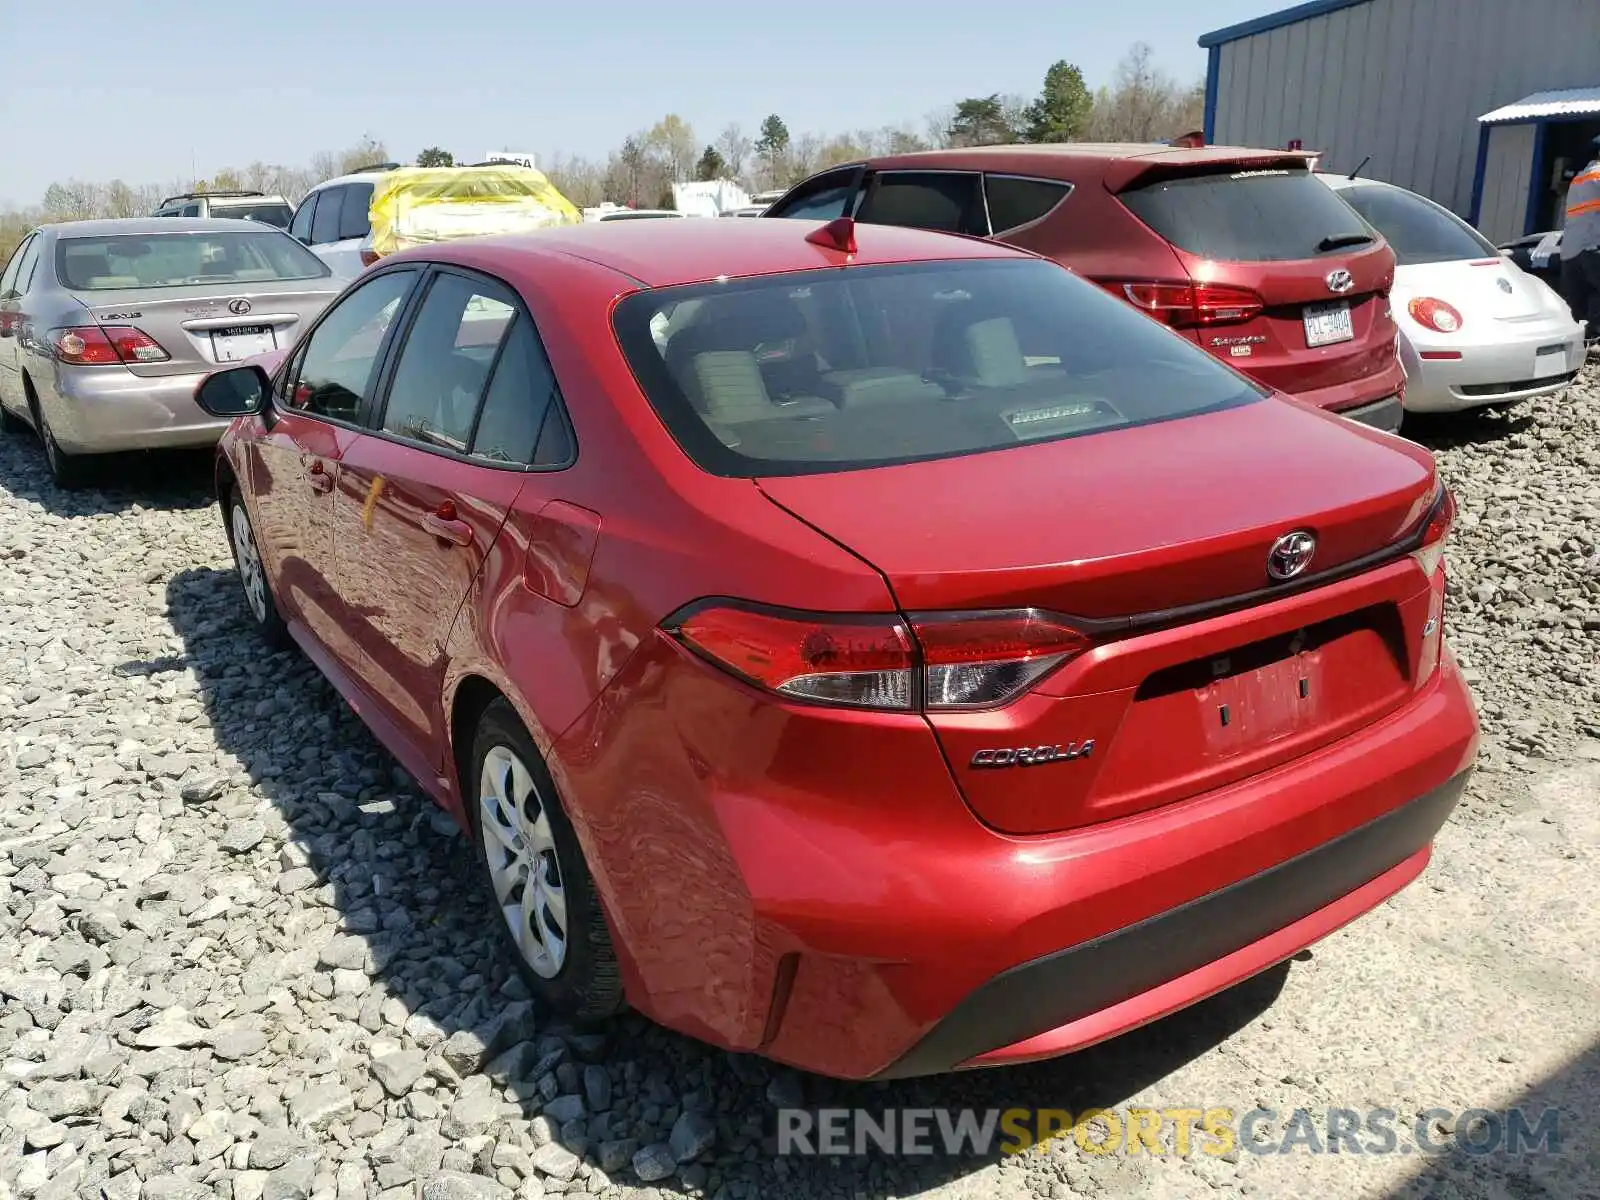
(655, 1162)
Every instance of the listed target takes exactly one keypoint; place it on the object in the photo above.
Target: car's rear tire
(534, 874)
(258, 600)
(69, 471)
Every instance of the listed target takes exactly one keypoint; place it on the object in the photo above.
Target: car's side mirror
(234, 392)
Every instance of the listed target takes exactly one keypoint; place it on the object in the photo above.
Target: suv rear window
(831, 370)
(1249, 216)
(1416, 230)
(90, 264)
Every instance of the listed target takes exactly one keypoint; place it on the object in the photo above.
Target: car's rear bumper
(1385, 414)
(101, 410)
(1498, 371)
(1094, 990)
(841, 910)
(1372, 391)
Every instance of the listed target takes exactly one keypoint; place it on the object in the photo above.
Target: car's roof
(243, 201)
(136, 226)
(1082, 155)
(665, 253)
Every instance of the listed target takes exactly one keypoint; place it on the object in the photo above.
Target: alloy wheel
(524, 866)
(251, 575)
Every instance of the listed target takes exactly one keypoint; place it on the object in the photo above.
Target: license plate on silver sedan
(242, 342)
(1328, 323)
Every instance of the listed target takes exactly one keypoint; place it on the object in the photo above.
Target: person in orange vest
(1580, 248)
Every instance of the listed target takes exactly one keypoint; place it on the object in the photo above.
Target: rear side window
(1015, 200)
(833, 370)
(27, 267)
(355, 220)
(1249, 216)
(8, 278)
(267, 214)
(1417, 231)
(445, 363)
(325, 224)
(946, 201)
(820, 199)
(522, 420)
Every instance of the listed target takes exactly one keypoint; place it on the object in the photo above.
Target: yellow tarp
(413, 206)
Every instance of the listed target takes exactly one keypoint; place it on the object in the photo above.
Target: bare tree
(673, 138)
(1143, 104)
(735, 149)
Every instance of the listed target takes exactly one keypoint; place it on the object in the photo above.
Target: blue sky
(134, 92)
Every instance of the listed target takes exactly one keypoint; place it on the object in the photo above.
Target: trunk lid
(1485, 286)
(200, 326)
(1151, 717)
(1061, 525)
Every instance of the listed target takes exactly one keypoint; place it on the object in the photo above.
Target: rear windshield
(1250, 216)
(268, 214)
(831, 370)
(1417, 231)
(90, 264)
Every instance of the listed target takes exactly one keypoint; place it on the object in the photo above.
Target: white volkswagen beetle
(1475, 329)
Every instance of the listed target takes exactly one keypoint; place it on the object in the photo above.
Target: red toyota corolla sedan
(877, 650)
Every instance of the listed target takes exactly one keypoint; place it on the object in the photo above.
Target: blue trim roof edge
(1277, 20)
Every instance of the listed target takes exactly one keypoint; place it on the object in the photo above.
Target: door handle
(319, 478)
(443, 523)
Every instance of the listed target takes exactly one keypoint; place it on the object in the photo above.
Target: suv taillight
(368, 256)
(927, 662)
(1185, 305)
(101, 345)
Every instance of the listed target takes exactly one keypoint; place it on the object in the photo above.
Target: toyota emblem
(239, 307)
(1340, 281)
(1291, 555)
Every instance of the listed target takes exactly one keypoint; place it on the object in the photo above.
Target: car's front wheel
(534, 873)
(253, 575)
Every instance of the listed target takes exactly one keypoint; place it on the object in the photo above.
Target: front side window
(153, 260)
(833, 370)
(1249, 215)
(946, 201)
(333, 376)
(300, 225)
(1418, 232)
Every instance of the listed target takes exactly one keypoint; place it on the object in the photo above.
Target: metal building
(1487, 106)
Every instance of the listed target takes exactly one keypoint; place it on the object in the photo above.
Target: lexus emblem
(239, 307)
(1340, 281)
(1291, 555)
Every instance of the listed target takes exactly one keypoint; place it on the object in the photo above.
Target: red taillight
(937, 661)
(368, 256)
(102, 345)
(1430, 548)
(1187, 305)
(9, 322)
(1435, 314)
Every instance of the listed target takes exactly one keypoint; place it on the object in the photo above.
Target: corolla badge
(1291, 555)
(1340, 281)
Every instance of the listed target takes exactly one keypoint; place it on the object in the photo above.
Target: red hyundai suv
(1237, 249)
(876, 650)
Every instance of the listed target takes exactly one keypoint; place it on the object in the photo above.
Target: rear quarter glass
(1249, 215)
(1417, 231)
(823, 371)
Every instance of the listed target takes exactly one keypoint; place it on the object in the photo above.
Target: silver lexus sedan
(107, 327)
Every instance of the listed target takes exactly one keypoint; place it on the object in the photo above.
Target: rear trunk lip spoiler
(1183, 614)
(233, 322)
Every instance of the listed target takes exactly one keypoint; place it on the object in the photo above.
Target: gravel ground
(237, 958)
